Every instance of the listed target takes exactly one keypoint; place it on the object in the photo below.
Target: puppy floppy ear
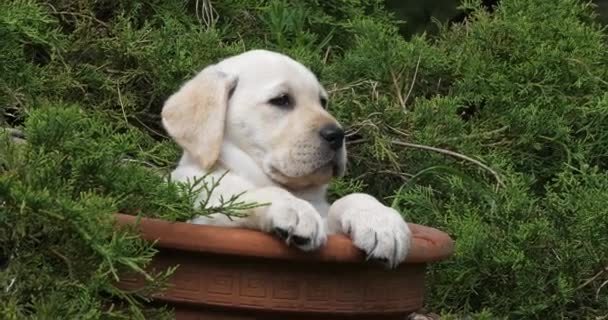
(195, 115)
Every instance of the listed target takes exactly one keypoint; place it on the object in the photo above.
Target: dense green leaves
(512, 103)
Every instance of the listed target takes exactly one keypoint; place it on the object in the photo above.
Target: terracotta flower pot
(228, 273)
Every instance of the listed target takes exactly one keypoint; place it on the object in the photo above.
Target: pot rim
(428, 244)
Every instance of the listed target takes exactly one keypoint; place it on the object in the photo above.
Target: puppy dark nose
(334, 135)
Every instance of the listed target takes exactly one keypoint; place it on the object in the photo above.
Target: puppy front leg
(374, 228)
(293, 219)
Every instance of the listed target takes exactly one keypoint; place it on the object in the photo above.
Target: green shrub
(58, 194)
(494, 130)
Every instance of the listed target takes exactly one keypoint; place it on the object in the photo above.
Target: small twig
(10, 285)
(206, 15)
(326, 56)
(150, 129)
(482, 134)
(588, 281)
(124, 115)
(597, 292)
(154, 168)
(353, 142)
(365, 123)
(66, 260)
(453, 154)
(402, 175)
(352, 85)
(396, 80)
(122, 106)
(495, 144)
(409, 92)
(589, 71)
(76, 14)
(398, 87)
(375, 93)
(400, 132)
(146, 163)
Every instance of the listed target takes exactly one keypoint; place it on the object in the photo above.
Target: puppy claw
(376, 229)
(281, 233)
(300, 241)
(298, 224)
(290, 238)
(385, 262)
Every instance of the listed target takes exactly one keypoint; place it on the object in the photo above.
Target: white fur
(274, 155)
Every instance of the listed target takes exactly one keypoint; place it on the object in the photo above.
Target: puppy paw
(378, 230)
(298, 223)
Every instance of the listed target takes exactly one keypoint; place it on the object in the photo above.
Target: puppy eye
(324, 103)
(282, 101)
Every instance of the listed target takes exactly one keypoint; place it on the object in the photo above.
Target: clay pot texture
(229, 273)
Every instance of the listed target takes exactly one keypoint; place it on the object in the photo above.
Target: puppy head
(269, 106)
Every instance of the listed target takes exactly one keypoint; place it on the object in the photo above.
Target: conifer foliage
(494, 130)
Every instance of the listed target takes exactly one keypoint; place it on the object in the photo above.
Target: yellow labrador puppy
(259, 119)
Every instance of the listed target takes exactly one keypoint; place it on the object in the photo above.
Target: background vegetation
(494, 129)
